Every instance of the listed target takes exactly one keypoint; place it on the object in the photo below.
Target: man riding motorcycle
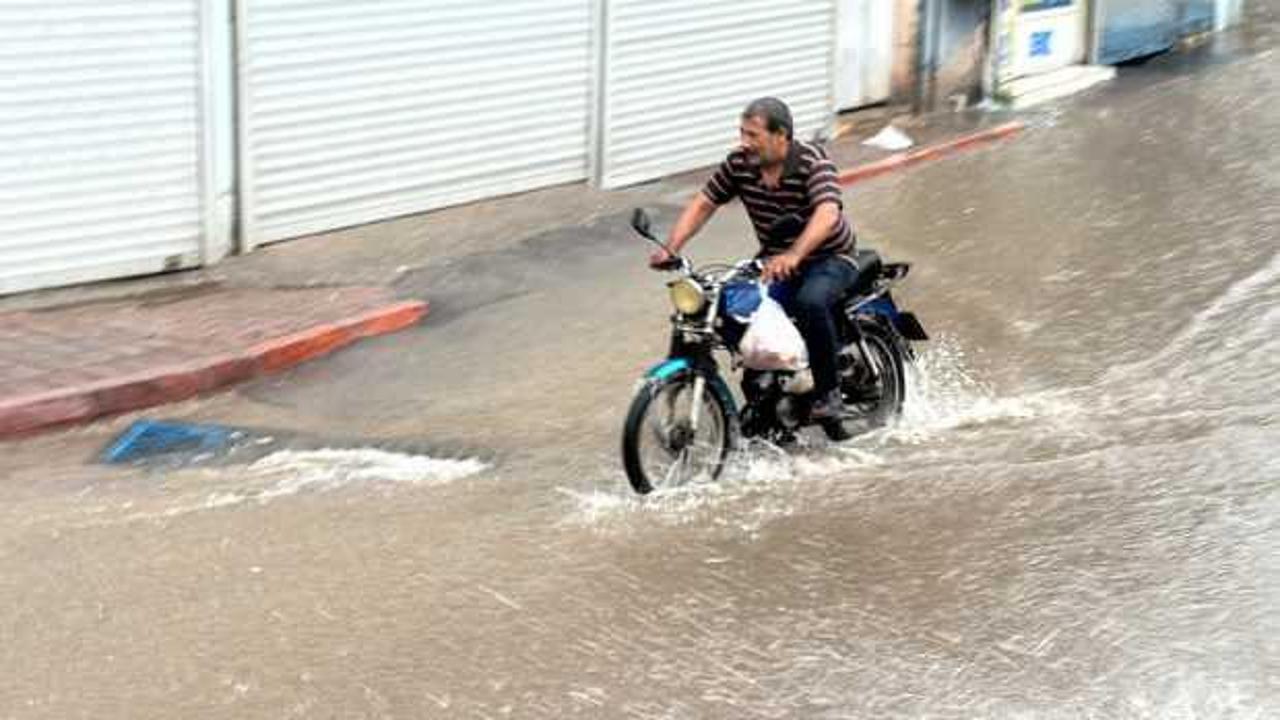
(776, 175)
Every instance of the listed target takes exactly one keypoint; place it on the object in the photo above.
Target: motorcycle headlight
(687, 296)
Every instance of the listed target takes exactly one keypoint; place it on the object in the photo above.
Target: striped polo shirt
(808, 180)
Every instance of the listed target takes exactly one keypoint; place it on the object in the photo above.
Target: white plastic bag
(772, 341)
(889, 138)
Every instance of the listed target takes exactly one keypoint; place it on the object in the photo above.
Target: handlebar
(641, 223)
(746, 269)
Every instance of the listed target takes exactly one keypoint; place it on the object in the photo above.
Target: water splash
(944, 394)
(944, 397)
(286, 473)
(293, 471)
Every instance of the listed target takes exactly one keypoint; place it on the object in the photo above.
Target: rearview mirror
(641, 222)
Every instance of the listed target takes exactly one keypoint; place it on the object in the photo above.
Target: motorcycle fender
(673, 366)
(905, 323)
(667, 368)
(909, 326)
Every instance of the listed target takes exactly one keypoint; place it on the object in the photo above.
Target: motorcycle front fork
(699, 387)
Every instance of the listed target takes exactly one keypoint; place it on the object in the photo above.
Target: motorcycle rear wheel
(660, 448)
(875, 398)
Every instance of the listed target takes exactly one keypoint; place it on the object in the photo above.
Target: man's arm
(695, 215)
(821, 223)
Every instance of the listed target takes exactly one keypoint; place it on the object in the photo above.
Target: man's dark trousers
(811, 296)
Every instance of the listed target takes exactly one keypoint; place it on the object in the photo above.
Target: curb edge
(28, 415)
(930, 152)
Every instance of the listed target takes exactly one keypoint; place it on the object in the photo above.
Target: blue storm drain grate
(149, 438)
(169, 444)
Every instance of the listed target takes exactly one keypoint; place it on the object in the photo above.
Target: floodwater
(1077, 517)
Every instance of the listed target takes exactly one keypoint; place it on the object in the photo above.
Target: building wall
(906, 29)
(105, 168)
(1135, 28)
(962, 50)
(956, 48)
(291, 117)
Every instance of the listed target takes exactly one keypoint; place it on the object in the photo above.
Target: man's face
(763, 148)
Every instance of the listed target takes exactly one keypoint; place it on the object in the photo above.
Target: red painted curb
(281, 353)
(285, 352)
(932, 152)
(27, 415)
(390, 319)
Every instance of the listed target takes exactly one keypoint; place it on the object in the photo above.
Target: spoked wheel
(665, 445)
(875, 395)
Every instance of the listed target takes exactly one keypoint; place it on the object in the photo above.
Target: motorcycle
(684, 421)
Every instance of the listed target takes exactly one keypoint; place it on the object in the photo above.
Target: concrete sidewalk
(75, 354)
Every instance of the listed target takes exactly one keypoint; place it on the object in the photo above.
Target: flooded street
(1078, 516)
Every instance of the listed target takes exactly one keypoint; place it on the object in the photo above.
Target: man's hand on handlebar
(780, 267)
(660, 259)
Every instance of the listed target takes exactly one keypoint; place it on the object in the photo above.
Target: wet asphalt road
(1077, 518)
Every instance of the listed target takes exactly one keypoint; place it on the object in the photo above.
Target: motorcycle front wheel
(662, 447)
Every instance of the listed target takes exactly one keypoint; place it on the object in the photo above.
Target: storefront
(864, 52)
(136, 136)
(352, 113)
(1040, 36)
(674, 76)
(1134, 28)
(106, 139)
(357, 112)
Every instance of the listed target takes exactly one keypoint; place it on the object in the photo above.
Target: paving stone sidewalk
(75, 363)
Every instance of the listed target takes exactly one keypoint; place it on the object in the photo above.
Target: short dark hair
(773, 113)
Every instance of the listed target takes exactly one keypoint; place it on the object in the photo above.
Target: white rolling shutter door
(353, 112)
(678, 73)
(100, 140)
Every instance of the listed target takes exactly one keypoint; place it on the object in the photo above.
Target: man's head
(766, 131)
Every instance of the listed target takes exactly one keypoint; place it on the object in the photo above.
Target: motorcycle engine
(798, 383)
(787, 411)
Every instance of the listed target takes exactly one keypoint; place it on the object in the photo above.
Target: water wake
(944, 397)
(292, 472)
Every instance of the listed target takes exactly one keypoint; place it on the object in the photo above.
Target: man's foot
(836, 431)
(828, 407)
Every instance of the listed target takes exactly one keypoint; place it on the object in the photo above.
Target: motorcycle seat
(869, 266)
